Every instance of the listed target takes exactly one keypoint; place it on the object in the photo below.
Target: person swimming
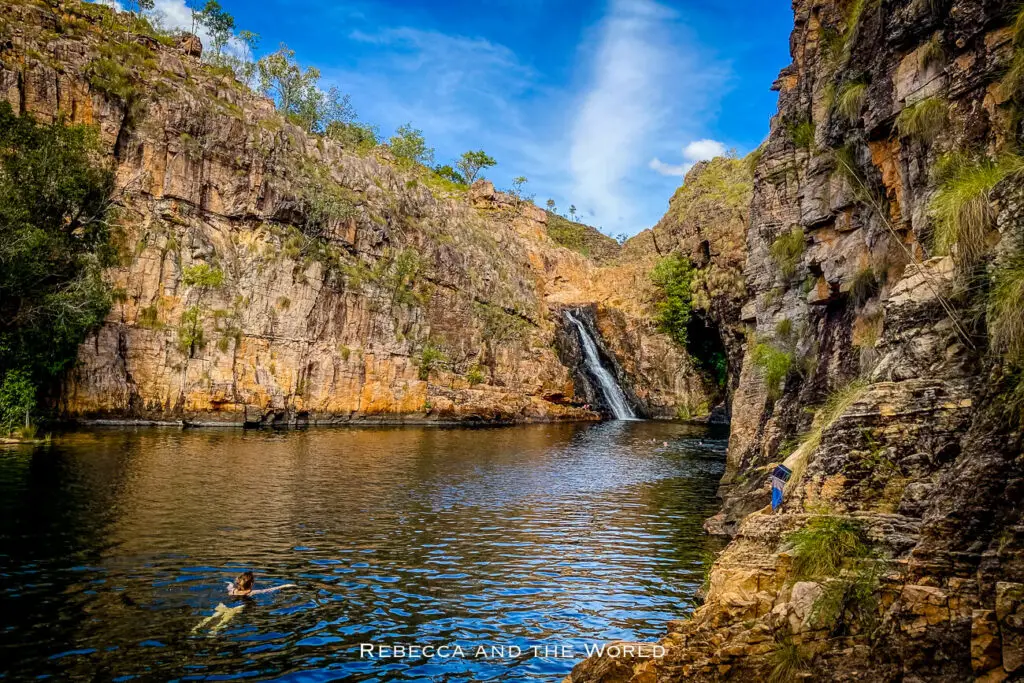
(243, 584)
(241, 587)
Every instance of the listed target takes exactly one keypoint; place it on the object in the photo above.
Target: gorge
(852, 298)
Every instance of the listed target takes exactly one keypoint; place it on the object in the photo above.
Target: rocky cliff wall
(346, 285)
(868, 370)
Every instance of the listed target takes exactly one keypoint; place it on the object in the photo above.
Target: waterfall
(609, 387)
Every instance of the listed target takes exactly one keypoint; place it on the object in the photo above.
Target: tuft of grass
(820, 547)
(775, 365)
(931, 53)
(753, 159)
(865, 287)
(788, 662)
(923, 120)
(784, 329)
(850, 101)
(962, 209)
(1005, 312)
(801, 133)
(787, 250)
(475, 376)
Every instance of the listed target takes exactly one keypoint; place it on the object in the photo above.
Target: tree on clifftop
(471, 163)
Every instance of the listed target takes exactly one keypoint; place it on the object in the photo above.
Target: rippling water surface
(116, 544)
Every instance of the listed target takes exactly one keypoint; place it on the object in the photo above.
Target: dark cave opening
(707, 348)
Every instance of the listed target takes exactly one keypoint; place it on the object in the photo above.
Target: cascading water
(609, 387)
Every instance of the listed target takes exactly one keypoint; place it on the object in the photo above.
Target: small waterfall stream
(609, 387)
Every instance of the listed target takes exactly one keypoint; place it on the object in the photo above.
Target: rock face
(866, 372)
(345, 286)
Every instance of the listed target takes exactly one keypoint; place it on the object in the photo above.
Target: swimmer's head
(243, 584)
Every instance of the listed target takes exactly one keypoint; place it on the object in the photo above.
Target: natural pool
(116, 543)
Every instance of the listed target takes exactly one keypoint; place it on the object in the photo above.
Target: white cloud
(174, 14)
(702, 150)
(698, 150)
(650, 81)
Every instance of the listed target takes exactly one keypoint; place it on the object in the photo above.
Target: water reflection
(115, 544)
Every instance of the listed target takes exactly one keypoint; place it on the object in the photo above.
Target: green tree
(673, 279)
(449, 173)
(219, 23)
(551, 205)
(408, 143)
(283, 80)
(572, 211)
(55, 201)
(471, 163)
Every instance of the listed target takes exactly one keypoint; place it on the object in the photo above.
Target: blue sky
(600, 104)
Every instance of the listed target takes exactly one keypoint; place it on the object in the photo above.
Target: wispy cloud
(699, 150)
(649, 83)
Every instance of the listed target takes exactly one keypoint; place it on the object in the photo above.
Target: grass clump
(787, 250)
(962, 209)
(923, 120)
(931, 53)
(850, 101)
(801, 133)
(820, 547)
(788, 662)
(865, 286)
(775, 365)
(475, 376)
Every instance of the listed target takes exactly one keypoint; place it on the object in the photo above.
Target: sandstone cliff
(897, 554)
(273, 276)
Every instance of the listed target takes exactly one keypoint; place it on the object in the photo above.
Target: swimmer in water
(242, 586)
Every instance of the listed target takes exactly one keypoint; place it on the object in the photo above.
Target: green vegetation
(297, 95)
(784, 329)
(820, 547)
(851, 598)
(55, 239)
(801, 133)
(471, 163)
(409, 145)
(865, 286)
(962, 208)
(1012, 84)
(788, 662)
(431, 358)
(581, 238)
(673, 279)
(851, 99)
(787, 250)
(475, 376)
(774, 365)
(203, 278)
(931, 53)
(923, 120)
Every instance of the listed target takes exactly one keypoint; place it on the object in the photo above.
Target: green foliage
(218, 22)
(801, 132)
(324, 202)
(431, 358)
(359, 136)
(784, 329)
(753, 159)
(673, 280)
(408, 144)
(962, 209)
(149, 317)
(1005, 311)
(788, 662)
(55, 239)
(471, 163)
(203, 276)
(450, 174)
(17, 400)
(118, 69)
(499, 325)
(820, 547)
(865, 286)
(852, 598)
(774, 365)
(399, 274)
(787, 250)
(475, 376)
(297, 94)
(923, 120)
(851, 99)
(190, 331)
